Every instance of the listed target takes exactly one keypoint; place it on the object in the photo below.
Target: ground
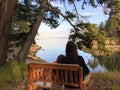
(113, 83)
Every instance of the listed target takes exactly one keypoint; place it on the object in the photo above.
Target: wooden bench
(56, 76)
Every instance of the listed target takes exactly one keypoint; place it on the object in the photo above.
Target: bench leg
(85, 88)
(31, 87)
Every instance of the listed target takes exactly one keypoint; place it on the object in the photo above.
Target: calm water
(52, 47)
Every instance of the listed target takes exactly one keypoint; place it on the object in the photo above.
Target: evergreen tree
(30, 13)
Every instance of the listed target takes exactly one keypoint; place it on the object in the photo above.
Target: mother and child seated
(72, 57)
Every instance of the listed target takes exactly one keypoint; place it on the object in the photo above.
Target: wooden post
(81, 78)
(30, 87)
(30, 78)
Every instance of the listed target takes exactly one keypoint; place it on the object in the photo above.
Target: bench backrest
(66, 74)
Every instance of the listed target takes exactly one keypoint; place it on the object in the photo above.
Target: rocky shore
(32, 58)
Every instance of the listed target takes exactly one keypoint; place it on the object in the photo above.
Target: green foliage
(77, 34)
(12, 72)
(85, 33)
(51, 18)
(24, 17)
(112, 24)
(111, 62)
(20, 27)
(70, 15)
(86, 2)
(27, 10)
(101, 38)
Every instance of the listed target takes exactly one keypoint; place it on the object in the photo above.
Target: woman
(72, 57)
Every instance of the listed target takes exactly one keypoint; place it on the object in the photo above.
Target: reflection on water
(53, 47)
(96, 66)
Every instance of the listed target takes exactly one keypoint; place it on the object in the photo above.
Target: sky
(95, 15)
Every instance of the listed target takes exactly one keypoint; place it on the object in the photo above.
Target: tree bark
(30, 38)
(2, 1)
(6, 13)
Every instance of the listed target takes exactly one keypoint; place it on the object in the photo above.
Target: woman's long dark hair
(71, 53)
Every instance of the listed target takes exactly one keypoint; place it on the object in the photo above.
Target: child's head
(61, 59)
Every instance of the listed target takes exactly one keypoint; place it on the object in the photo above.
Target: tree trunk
(6, 12)
(30, 38)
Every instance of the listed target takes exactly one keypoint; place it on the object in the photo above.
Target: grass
(102, 76)
(12, 75)
(111, 62)
(105, 81)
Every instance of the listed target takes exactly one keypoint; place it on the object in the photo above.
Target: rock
(32, 58)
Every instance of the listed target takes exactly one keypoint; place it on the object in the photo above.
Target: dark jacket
(81, 63)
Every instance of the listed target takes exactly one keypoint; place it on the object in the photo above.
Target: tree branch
(76, 11)
(58, 12)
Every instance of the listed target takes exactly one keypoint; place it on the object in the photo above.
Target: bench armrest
(87, 79)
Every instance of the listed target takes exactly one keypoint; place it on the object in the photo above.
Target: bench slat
(66, 76)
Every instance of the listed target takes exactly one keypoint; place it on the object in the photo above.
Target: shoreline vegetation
(14, 76)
